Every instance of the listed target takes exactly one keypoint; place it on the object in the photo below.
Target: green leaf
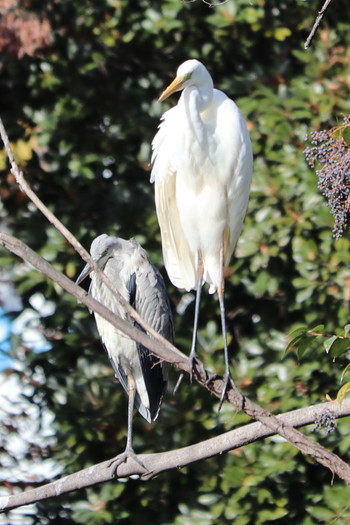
(294, 342)
(298, 331)
(282, 33)
(302, 346)
(346, 135)
(340, 346)
(345, 371)
(318, 328)
(322, 514)
(328, 343)
(347, 329)
(342, 392)
(342, 132)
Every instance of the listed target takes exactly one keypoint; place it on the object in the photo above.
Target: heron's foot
(123, 458)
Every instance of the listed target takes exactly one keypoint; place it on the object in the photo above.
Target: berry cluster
(326, 419)
(332, 155)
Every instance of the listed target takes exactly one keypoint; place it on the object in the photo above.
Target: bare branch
(316, 24)
(24, 186)
(167, 352)
(156, 344)
(158, 463)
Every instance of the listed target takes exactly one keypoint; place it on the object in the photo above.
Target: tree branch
(316, 24)
(158, 463)
(167, 352)
(24, 186)
(156, 344)
(215, 385)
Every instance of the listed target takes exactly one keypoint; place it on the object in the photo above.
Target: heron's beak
(87, 269)
(174, 86)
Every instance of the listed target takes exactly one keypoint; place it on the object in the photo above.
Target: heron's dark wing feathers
(131, 287)
(151, 302)
(155, 378)
(120, 374)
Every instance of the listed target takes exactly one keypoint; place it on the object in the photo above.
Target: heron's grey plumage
(128, 267)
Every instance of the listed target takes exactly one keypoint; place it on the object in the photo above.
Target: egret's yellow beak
(174, 86)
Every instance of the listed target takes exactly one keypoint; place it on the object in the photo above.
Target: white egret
(140, 373)
(202, 169)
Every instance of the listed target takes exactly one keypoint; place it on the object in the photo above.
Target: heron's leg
(131, 392)
(129, 451)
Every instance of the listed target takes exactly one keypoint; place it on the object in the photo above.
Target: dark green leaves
(303, 339)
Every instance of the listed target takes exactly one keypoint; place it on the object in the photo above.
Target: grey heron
(141, 374)
(202, 170)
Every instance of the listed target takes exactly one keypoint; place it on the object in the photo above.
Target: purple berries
(332, 156)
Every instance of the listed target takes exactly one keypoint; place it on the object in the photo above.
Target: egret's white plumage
(141, 374)
(202, 169)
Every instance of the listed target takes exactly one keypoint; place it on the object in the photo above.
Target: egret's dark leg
(129, 451)
(193, 353)
(227, 376)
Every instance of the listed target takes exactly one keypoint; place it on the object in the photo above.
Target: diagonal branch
(158, 463)
(167, 352)
(215, 384)
(25, 187)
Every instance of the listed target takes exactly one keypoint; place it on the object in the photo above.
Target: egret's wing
(236, 166)
(178, 259)
(163, 147)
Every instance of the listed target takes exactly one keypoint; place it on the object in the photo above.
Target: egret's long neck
(196, 100)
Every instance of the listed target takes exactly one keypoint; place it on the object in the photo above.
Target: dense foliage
(78, 97)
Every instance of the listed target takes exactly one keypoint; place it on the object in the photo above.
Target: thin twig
(161, 462)
(209, 4)
(316, 24)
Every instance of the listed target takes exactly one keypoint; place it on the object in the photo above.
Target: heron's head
(101, 250)
(190, 73)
